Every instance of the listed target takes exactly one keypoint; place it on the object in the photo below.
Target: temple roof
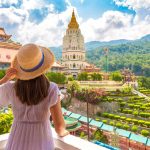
(73, 22)
(3, 36)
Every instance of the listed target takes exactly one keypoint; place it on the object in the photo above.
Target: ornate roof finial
(73, 23)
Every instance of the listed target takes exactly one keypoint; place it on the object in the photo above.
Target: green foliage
(116, 76)
(72, 87)
(121, 56)
(119, 125)
(70, 78)
(58, 78)
(99, 136)
(5, 122)
(104, 121)
(126, 127)
(134, 128)
(96, 77)
(83, 76)
(145, 132)
(144, 82)
(2, 73)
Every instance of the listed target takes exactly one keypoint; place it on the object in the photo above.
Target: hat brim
(48, 62)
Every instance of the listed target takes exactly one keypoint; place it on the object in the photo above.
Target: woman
(33, 99)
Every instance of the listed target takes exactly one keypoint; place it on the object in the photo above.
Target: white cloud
(8, 2)
(141, 7)
(50, 31)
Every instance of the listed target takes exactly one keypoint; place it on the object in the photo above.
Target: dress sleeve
(54, 94)
(5, 94)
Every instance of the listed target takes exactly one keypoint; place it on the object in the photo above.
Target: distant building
(8, 49)
(73, 53)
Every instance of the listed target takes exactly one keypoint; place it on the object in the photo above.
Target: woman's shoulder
(8, 84)
(53, 85)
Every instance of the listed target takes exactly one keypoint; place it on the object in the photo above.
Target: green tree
(83, 76)
(116, 76)
(58, 78)
(96, 77)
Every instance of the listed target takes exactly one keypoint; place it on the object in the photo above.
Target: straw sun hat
(32, 61)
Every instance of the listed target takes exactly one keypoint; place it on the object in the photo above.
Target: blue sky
(45, 21)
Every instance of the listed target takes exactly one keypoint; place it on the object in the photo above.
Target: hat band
(36, 67)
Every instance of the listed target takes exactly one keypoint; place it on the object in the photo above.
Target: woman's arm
(58, 119)
(10, 74)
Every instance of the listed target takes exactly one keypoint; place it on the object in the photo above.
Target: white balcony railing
(68, 142)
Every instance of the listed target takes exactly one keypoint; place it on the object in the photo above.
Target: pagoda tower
(73, 53)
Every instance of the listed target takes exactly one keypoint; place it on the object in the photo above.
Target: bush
(135, 113)
(147, 123)
(6, 122)
(141, 122)
(128, 119)
(119, 125)
(105, 114)
(2, 73)
(145, 132)
(96, 77)
(112, 123)
(123, 118)
(104, 121)
(134, 128)
(83, 76)
(126, 127)
(58, 78)
(116, 76)
(135, 121)
(122, 104)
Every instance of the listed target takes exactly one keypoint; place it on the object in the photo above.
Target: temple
(73, 53)
(8, 49)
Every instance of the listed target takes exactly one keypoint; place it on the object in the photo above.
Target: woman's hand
(63, 133)
(10, 74)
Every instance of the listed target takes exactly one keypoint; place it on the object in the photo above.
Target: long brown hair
(32, 92)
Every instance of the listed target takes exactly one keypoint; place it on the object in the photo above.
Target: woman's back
(31, 127)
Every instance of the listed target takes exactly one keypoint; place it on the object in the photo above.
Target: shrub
(2, 73)
(122, 104)
(83, 76)
(118, 124)
(147, 123)
(104, 121)
(58, 78)
(122, 118)
(145, 132)
(126, 127)
(105, 114)
(112, 123)
(116, 117)
(5, 122)
(135, 121)
(96, 77)
(134, 128)
(135, 113)
(141, 122)
(128, 119)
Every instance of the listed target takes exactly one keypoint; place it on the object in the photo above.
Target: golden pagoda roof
(73, 22)
(3, 36)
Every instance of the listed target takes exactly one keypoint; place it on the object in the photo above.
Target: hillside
(122, 53)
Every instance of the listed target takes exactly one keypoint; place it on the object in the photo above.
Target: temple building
(73, 53)
(8, 49)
